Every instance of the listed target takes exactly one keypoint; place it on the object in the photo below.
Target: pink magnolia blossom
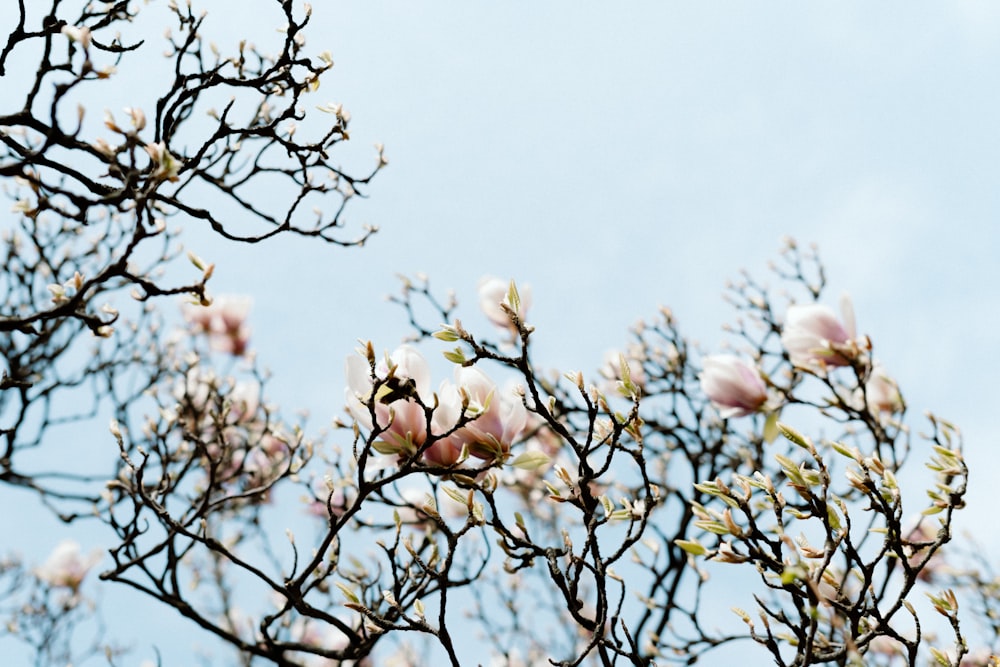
(67, 565)
(401, 418)
(266, 461)
(881, 392)
(325, 501)
(981, 657)
(493, 292)
(224, 322)
(735, 387)
(885, 646)
(499, 416)
(813, 336)
(444, 452)
(316, 634)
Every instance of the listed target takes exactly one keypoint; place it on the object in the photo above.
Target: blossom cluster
(242, 446)
(467, 416)
(814, 340)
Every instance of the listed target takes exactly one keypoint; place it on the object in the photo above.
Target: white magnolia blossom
(882, 392)
(79, 34)
(224, 321)
(814, 337)
(166, 166)
(67, 565)
(493, 295)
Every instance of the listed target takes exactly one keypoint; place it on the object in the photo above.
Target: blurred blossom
(224, 322)
(324, 502)
(513, 659)
(404, 656)
(410, 509)
(882, 392)
(265, 462)
(493, 292)
(735, 387)
(921, 533)
(611, 368)
(167, 167)
(324, 636)
(67, 566)
(813, 336)
(981, 657)
(887, 646)
(79, 34)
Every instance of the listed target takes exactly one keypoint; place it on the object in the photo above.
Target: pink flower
(882, 392)
(981, 657)
(813, 336)
(317, 634)
(401, 418)
(444, 452)
(735, 387)
(224, 322)
(67, 566)
(499, 417)
(493, 292)
(326, 501)
(265, 462)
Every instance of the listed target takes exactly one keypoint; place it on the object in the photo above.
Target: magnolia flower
(493, 292)
(138, 117)
(266, 461)
(324, 636)
(813, 336)
(79, 34)
(881, 392)
(224, 321)
(67, 566)
(327, 499)
(887, 646)
(735, 387)
(401, 419)
(981, 657)
(444, 451)
(499, 418)
(167, 167)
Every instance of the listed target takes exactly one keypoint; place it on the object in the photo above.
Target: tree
(562, 518)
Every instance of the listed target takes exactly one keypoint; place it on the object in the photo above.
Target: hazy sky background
(622, 157)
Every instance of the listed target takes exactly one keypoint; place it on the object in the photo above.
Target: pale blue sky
(622, 157)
